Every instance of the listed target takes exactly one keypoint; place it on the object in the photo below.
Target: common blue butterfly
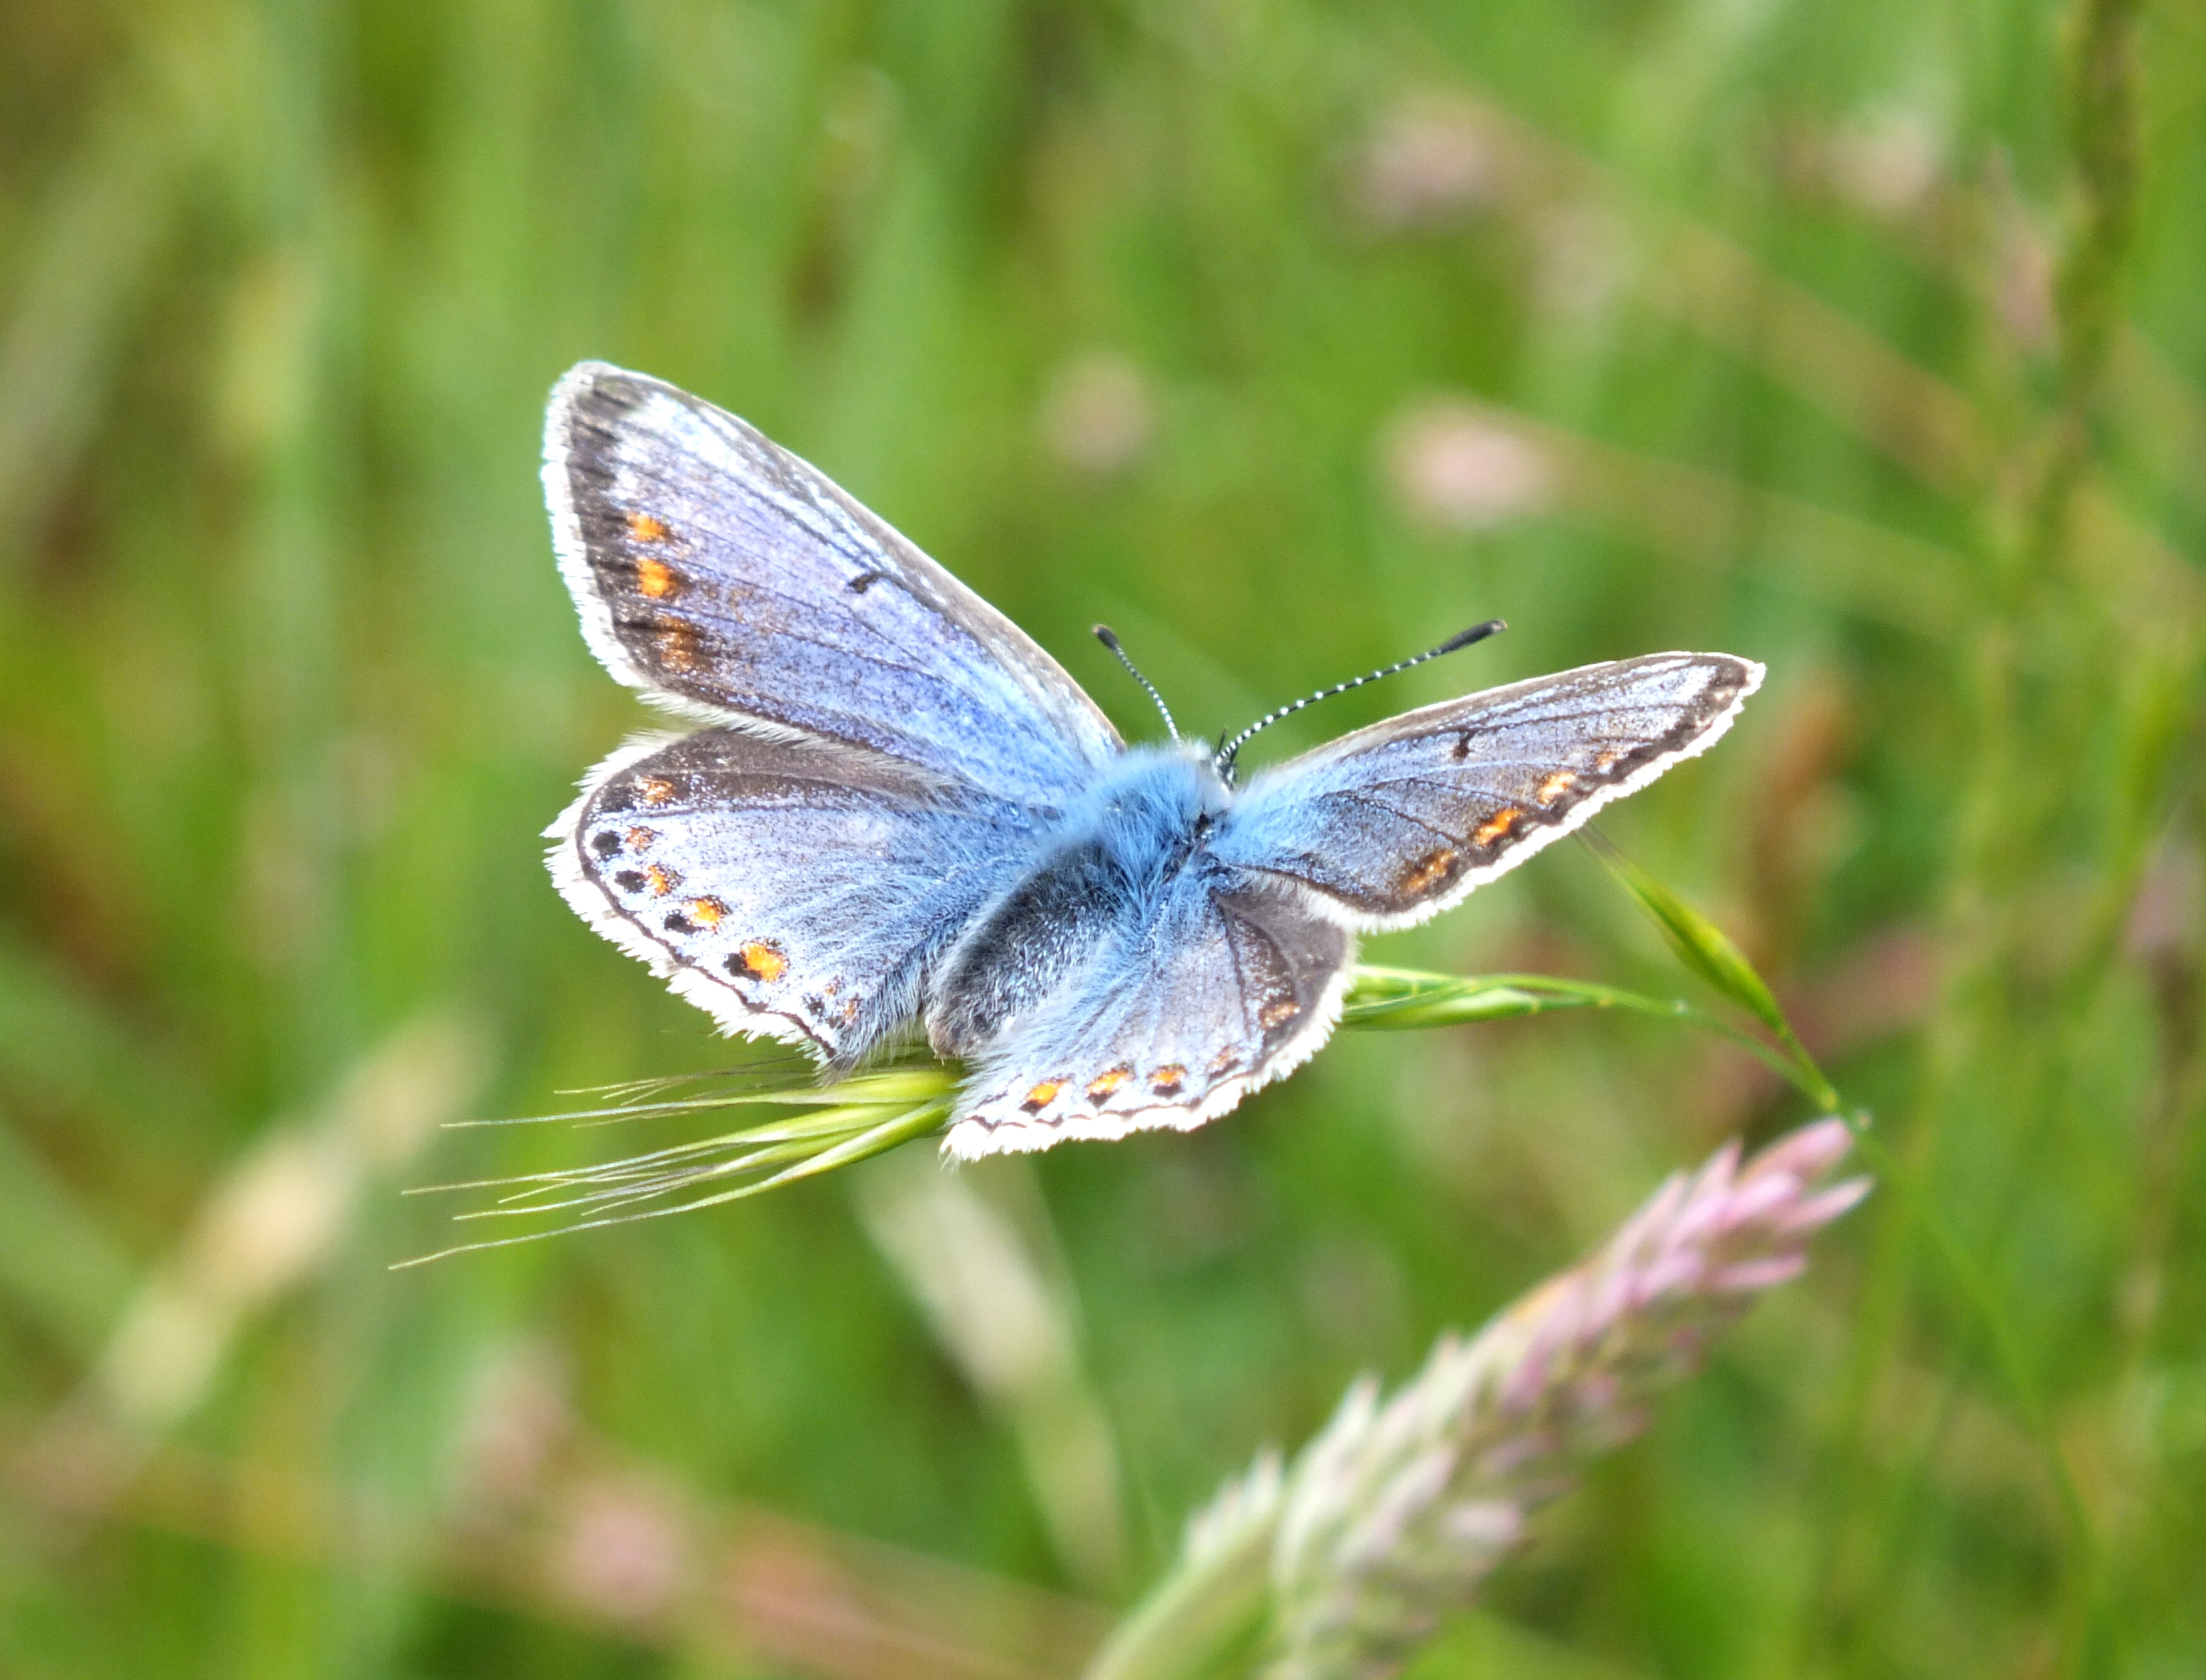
(899, 812)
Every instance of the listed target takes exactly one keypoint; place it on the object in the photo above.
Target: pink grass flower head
(1396, 1512)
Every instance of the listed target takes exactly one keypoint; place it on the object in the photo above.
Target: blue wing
(1223, 982)
(715, 569)
(797, 890)
(1395, 822)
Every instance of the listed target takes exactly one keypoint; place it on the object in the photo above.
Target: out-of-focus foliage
(1288, 338)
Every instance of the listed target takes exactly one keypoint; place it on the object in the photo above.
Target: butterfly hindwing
(1394, 823)
(714, 569)
(1227, 981)
(796, 889)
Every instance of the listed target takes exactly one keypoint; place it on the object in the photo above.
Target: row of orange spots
(758, 958)
(1166, 1082)
(655, 578)
(1552, 786)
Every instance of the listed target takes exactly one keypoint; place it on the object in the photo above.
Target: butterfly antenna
(1104, 634)
(1461, 638)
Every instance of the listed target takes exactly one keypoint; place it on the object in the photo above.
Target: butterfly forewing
(713, 566)
(1396, 822)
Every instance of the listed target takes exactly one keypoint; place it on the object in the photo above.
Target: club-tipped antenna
(1224, 760)
(1104, 634)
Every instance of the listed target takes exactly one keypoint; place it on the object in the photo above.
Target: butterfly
(896, 812)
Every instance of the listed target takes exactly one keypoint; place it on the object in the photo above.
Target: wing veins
(802, 511)
(979, 697)
(1240, 979)
(1481, 725)
(1359, 797)
(861, 547)
(958, 682)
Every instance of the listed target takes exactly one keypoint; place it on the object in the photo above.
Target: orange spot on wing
(660, 877)
(1168, 1079)
(677, 647)
(655, 578)
(1279, 1012)
(648, 527)
(639, 837)
(708, 911)
(1427, 872)
(1603, 760)
(762, 961)
(1101, 1087)
(1556, 785)
(1043, 1096)
(1497, 826)
(655, 790)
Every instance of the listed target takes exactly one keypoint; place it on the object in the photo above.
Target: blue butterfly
(899, 812)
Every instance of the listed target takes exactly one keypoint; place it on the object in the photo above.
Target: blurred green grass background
(1288, 338)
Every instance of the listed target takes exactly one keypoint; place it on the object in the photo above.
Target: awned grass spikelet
(825, 1127)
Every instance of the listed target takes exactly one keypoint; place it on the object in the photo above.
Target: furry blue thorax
(1144, 812)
